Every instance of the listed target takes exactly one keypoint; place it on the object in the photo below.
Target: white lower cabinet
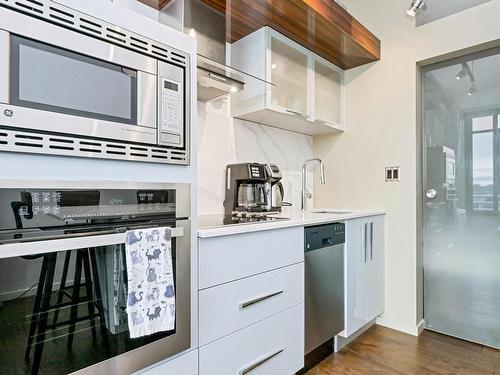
(364, 270)
(229, 307)
(273, 346)
(251, 303)
(228, 258)
(186, 364)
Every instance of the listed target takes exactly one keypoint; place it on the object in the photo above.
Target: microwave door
(68, 92)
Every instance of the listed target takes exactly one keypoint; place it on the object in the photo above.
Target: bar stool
(86, 262)
(86, 259)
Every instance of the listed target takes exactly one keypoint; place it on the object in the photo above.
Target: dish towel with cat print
(151, 295)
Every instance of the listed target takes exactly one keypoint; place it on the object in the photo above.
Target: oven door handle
(71, 242)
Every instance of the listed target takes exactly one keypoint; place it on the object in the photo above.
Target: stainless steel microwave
(75, 85)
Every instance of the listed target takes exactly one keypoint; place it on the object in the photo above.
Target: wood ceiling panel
(157, 4)
(322, 26)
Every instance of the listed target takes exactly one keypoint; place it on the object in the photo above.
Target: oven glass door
(62, 312)
(57, 80)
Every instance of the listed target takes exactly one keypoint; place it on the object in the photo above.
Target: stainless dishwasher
(324, 283)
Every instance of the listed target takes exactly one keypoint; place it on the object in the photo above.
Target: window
(485, 162)
(482, 171)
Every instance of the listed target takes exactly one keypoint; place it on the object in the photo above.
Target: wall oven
(75, 85)
(61, 275)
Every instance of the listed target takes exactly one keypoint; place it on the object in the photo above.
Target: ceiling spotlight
(472, 89)
(415, 7)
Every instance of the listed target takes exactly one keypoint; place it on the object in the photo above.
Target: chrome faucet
(306, 194)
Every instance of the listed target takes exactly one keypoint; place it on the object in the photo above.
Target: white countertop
(296, 219)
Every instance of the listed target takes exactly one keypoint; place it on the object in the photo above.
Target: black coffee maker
(246, 188)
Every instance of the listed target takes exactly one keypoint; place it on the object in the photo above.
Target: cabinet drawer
(186, 364)
(227, 258)
(272, 346)
(232, 306)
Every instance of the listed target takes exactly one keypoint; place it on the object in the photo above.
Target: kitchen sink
(331, 212)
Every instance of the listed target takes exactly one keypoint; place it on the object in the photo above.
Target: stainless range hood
(215, 80)
(208, 26)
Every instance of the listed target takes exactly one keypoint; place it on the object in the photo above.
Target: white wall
(381, 131)
(224, 140)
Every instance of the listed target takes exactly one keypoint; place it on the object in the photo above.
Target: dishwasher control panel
(326, 235)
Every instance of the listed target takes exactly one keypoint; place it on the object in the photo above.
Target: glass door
(327, 93)
(289, 64)
(461, 161)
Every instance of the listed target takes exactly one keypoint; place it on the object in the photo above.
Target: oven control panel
(43, 208)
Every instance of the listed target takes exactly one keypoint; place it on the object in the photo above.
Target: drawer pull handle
(244, 305)
(260, 363)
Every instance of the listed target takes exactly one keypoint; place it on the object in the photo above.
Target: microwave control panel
(171, 101)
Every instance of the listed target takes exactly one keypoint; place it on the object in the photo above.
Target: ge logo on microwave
(8, 112)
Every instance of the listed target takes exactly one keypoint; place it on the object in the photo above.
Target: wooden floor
(384, 351)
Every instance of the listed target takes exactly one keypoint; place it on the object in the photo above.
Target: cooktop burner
(210, 221)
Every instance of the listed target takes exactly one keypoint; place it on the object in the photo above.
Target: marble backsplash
(225, 140)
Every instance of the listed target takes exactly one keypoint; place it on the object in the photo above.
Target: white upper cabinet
(328, 93)
(304, 94)
(289, 71)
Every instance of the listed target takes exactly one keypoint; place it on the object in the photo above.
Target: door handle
(365, 239)
(371, 240)
(431, 193)
(326, 122)
(260, 362)
(252, 302)
(297, 113)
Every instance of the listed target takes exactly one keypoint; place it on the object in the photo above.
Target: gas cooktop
(211, 221)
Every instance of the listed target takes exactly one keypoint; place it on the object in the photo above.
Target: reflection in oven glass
(61, 312)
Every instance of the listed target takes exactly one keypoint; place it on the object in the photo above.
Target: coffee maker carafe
(274, 188)
(246, 188)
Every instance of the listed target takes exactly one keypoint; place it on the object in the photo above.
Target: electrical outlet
(392, 174)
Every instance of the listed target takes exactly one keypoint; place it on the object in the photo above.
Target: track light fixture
(464, 72)
(415, 6)
(472, 89)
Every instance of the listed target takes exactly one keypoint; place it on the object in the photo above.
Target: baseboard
(420, 327)
(7, 296)
(341, 342)
(413, 329)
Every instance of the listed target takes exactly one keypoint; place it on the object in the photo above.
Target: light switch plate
(392, 174)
